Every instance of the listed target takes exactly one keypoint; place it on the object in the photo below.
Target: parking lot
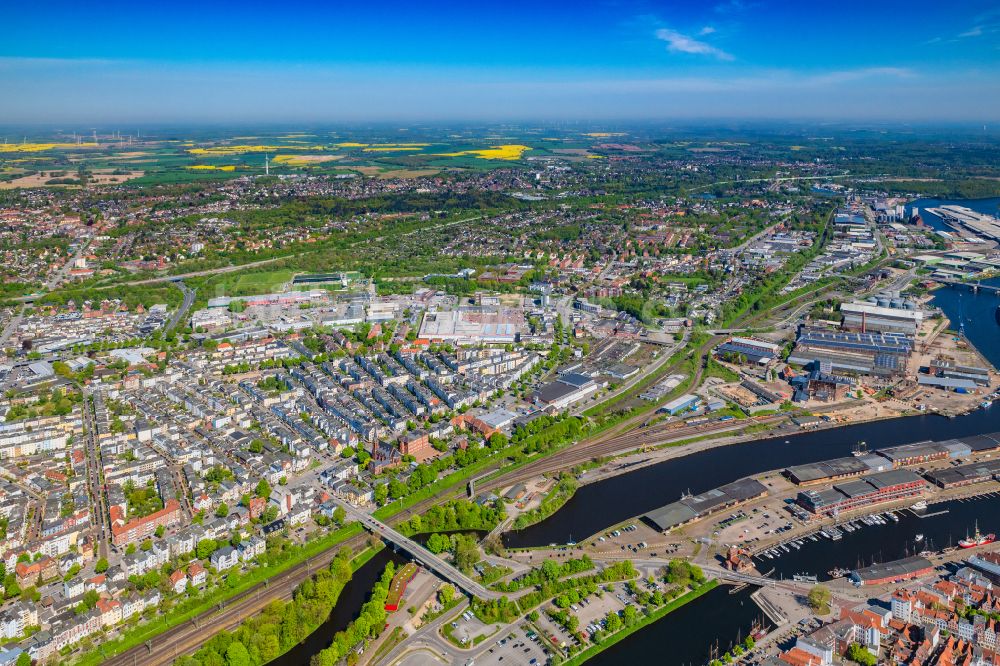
(519, 647)
(466, 627)
(634, 539)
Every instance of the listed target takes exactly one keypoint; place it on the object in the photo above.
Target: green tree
(205, 548)
(101, 566)
(613, 623)
(263, 489)
(237, 655)
(550, 570)
(23, 659)
(223, 510)
(819, 599)
(860, 655)
(340, 515)
(446, 593)
(466, 553)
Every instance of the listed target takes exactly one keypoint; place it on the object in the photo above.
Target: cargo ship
(977, 539)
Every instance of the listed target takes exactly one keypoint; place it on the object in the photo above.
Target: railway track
(617, 445)
(185, 638)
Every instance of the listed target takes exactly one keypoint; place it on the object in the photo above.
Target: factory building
(756, 351)
(883, 315)
(869, 353)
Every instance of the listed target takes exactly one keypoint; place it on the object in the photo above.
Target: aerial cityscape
(510, 335)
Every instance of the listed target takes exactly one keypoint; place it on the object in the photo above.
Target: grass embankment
(561, 493)
(644, 622)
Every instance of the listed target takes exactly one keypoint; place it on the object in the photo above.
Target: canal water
(989, 206)
(686, 636)
(593, 509)
(611, 501)
(357, 591)
(691, 631)
(892, 541)
(977, 312)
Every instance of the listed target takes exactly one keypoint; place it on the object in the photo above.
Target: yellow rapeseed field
(304, 160)
(212, 167)
(505, 152)
(40, 147)
(242, 149)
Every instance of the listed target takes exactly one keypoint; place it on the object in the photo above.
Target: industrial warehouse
(882, 314)
(691, 508)
(869, 353)
(892, 572)
(889, 486)
(890, 457)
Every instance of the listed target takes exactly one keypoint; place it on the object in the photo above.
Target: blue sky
(294, 61)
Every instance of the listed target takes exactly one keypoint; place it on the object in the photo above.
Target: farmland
(153, 159)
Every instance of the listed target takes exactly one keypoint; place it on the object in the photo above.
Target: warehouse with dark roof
(694, 507)
(892, 572)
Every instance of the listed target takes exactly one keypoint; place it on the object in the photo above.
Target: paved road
(11, 326)
(427, 638)
(178, 316)
(665, 355)
(60, 274)
(420, 554)
(95, 472)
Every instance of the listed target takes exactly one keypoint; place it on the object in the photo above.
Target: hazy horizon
(615, 61)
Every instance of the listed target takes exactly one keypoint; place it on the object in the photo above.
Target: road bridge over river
(420, 555)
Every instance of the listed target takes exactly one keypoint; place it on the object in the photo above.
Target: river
(691, 630)
(989, 206)
(611, 501)
(977, 311)
(592, 508)
(348, 606)
(892, 541)
(688, 633)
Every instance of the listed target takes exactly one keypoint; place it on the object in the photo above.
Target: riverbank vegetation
(453, 516)
(280, 557)
(368, 626)
(282, 624)
(639, 621)
(561, 493)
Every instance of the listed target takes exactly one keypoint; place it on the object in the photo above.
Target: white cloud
(680, 43)
(974, 32)
(849, 75)
(707, 30)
